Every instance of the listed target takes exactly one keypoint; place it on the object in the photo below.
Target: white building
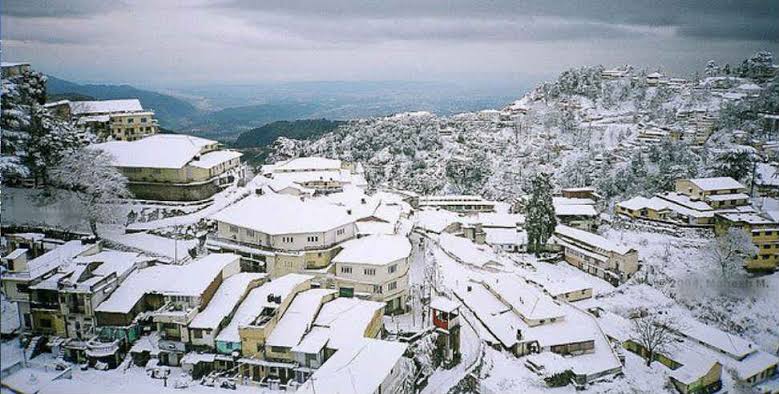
(316, 173)
(376, 268)
(282, 232)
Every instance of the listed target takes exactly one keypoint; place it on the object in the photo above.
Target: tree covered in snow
(33, 140)
(758, 65)
(583, 81)
(655, 334)
(467, 175)
(540, 219)
(731, 250)
(89, 174)
(737, 164)
(712, 69)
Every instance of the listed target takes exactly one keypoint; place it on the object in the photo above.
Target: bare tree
(655, 333)
(731, 250)
(90, 176)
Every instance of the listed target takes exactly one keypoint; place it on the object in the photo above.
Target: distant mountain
(170, 111)
(299, 129)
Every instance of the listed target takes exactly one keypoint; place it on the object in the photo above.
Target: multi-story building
(719, 193)
(283, 233)
(764, 233)
(64, 303)
(23, 274)
(124, 120)
(457, 203)
(321, 175)
(375, 268)
(174, 167)
(257, 316)
(163, 297)
(596, 255)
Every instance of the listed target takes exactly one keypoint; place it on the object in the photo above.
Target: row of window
(369, 271)
(377, 289)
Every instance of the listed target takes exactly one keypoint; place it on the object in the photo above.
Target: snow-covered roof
(435, 221)
(767, 175)
(347, 319)
(156, 151)
(374, 228)
(746, 217)
(755, 363)
(639, 202)
(112, 261)
(727, 197)
(16, 253)
(358, 369)
(374, 250)
(225, 300)
(505, 236)
(557, 201)
(718, 183)
(526, 299)
(256, 300)
(185, 280)
(105, 106)
(467, 251)
(591, 239)
(444, 304)
(63, 254)
(213, 159)
(733, 345)
(575, 210)
(685, 201)
(655, 75)
(282, 214)
(298, 318)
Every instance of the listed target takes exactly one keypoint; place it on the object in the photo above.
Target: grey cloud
(745, 19)
(58, 8)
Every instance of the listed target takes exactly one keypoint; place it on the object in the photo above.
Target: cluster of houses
(716, 203)
(295, 287)
(551, 318)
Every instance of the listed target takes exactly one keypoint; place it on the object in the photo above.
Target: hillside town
(581, 238)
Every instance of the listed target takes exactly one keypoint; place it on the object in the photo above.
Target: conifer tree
(541, 220)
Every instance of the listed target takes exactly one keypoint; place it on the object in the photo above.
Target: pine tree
(541, 220)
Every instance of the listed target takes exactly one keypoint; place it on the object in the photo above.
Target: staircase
(35, 347)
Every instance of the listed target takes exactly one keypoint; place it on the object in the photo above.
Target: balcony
(97, 348)
(47, 305)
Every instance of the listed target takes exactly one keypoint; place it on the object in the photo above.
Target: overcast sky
(170, 43)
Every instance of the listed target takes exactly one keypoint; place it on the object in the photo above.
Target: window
(392, 286)
(377, 289)
(233, 229)
(392, 268)
(197, 333)
(250, 233)
(370, 271)
(287, 239)
(313, 238)
(346, 270)
(143, 120)
(45, 323)
(130, 120)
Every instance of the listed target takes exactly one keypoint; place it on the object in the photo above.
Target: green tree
(541, 220)
(736, 164)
